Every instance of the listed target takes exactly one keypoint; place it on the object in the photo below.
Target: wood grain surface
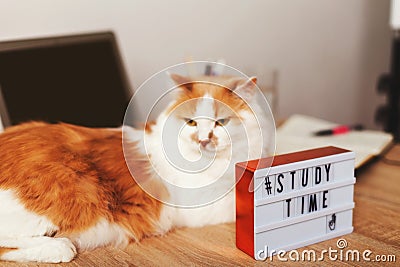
(376, 228)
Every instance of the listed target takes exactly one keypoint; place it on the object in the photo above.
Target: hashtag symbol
(268, 186)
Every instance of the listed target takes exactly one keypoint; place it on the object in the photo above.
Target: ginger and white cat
(65, 188)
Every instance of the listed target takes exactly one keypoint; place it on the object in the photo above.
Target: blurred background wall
(328, 53)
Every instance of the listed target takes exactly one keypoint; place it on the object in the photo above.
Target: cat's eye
(221, 122)
(190, 122)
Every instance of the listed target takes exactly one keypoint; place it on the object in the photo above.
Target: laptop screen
(74, 79)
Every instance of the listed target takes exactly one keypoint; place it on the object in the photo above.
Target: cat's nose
(204, 142)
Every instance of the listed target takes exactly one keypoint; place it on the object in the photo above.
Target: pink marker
(341, 129)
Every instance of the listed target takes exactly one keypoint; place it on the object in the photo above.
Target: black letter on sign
(317, 175)
(304, 177)
(327, 168)
(292, 173)
(302, 205)
(280, 189)
(312, 206)
(288, 206)
(324, 199)
(268, 186)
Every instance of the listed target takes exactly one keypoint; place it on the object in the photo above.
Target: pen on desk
(339, 130)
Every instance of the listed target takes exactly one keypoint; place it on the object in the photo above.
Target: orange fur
(148, 126)
(226, 105)
(5, 250)
(74, 176)
(219, 88)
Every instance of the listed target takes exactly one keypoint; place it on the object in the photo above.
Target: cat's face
(209, 114)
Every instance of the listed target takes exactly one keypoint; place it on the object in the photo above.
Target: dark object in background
(389, 115)
(76, 79)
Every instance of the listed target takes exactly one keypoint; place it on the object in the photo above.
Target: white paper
(296, 134)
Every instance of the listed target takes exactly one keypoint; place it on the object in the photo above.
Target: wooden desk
(376, 227)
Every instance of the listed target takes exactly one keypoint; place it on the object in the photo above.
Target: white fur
(166, 220)
(25, 230)
(205, 107)
(38, 248)
(103, 233)
(249, 146)
(16, 221)
(221, 211)
(204, 111)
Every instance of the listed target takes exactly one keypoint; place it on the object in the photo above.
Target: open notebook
(297, 134)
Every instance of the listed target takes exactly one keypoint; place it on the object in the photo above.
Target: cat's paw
(57, 250)
(43, 249)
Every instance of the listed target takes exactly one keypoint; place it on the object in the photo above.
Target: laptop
(78, 79)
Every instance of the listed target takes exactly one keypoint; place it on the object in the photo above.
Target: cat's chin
(211, 151)
(208, 151)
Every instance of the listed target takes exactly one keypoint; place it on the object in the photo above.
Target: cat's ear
(245, 88)
(181, 81)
